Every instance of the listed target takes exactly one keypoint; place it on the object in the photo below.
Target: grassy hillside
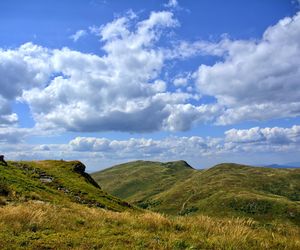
(265, 194)
(36, 225)
(58, 182)
(139, 181)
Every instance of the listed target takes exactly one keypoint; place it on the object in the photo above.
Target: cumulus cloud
(119, 91)
(123, 89)
(255, 139)
(194, 148)
(143, 148)
(181, 81)
(186, 49)
(99, 152)
(257, 76)
(13, 134)
(275, 135)
(21, 69)
(233, 140)
(7, 117)
(78, 34)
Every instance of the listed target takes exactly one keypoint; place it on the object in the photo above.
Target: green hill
(265, 194)
(140, 181)
(56, 182)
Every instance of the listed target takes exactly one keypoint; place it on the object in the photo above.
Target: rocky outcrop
(79, 167)
(2, 161)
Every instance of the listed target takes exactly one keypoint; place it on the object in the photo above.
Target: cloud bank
(205, 151)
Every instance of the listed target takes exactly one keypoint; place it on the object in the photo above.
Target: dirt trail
(187, 200)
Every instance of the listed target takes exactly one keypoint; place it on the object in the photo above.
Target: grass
(58, 182)
(43, 225)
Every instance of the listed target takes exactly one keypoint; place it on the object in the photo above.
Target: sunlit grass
(36, 225)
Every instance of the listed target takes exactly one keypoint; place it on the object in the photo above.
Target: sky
(107, 81)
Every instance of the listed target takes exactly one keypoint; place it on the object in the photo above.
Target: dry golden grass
(36, 225)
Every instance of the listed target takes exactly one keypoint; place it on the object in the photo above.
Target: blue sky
(106, 82)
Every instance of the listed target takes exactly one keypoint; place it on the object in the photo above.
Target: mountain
(227, 189)
(293, 164)
(281, 166)
(54, 182)
(142, 180)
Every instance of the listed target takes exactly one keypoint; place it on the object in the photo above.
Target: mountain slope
(56, 205)
(232, 189)
(224, 190)
(142, 180)
(55, 182)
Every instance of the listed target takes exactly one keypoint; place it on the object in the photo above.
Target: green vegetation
(140, 181)
(35, 225)
(58, 182)
(264, 194)
(56, 205)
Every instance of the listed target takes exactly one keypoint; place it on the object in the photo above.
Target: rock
(79, 167)
(2, 160)
(46, 179)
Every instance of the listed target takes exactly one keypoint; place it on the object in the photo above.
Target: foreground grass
(40, 225)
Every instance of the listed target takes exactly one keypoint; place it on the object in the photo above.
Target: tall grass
(36, 225)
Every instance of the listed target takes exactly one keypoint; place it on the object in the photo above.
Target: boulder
(79, 167)
(2, 160)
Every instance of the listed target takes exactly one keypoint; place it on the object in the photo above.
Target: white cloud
(171, 4)
(13, 134)
(256, 145)
(183, 116)
(256, 78)
(123, 90)
(119, 91)
(142, 148)
(21, 69)
(254, 139)
(78, 34)
(271, 136)
(42, 148)
(7, 117)
(181, 81)
(258, 142)
(186, 49)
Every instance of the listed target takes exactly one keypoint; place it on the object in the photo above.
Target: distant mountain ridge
(280, 166)
(293, 164)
